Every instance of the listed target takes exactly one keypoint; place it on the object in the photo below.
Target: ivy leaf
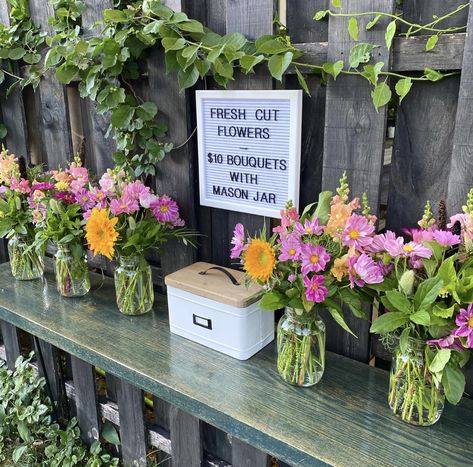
(115, 16)
(432, 75)
(321, 14)
(360, 53)
(278, 64)
(173, 43)
(147, 111)
(373, 22)
(389, 35)
(235, 40)
(18, 453)
(191, 26)
(302, 82)
(336, 3)
(32, 59)
(431, 43)
(223, 68)
(272, 47)
(109, 432)
(248, 62)
(389, 322)
(333, 69)
(453, 382)
(203, 67)
(353, 29)
(16, 53)
(23, 431)
(403, 86)
(440, 360)
(381, 95)
(187, 78)
(65, 73)
(122, 115)
(371, 72)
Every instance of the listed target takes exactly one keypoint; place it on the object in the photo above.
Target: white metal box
(209, 307)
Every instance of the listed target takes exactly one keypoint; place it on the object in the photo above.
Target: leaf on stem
(353, 29)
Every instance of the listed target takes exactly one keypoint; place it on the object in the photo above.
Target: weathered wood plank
(86, 399)
(11, 341)
(161, 411)
(424, 133)
(186, 439)
(132, 425)
(408, 52)
(298, 426)
(244, 455)
(354, 141)
(49, 367)
(51, 102)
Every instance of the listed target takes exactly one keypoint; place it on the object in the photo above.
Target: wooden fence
(430, 157)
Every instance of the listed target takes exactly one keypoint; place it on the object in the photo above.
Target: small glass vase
(301, 348)
(134, 285)
(25, 261)
(72, 273)
(414, 396)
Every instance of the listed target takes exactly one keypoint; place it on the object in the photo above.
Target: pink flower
(165, 209)
(315, 291)
(292, 278)
(238, 241)
(99, 197)
(446, 238)
(147, 198)
(288, 218)
(43, 186)
(124, 205)
(409, 250)
(420, 235)
(464, 321)
(449, 342)
(378, 243)
(358, 232)
(85, 199)
(364, 270)
(309, 227)
(21, 186)
(290, 249)
(136, 190)
(314, 258)
(68, 198)
(107, 182)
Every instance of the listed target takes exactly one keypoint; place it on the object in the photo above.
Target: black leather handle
(230, 276)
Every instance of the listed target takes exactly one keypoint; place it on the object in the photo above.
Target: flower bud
(406, 282)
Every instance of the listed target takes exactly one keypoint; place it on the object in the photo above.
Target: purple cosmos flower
(147, 198)
(364, 270)
(290, 249)
(412, 249)
(378, 243)
(124, 205)
(314, 258)
(420, 235)
(136, 190)
(238, 241)
(464, 321)
(449, 342)
(43, 186)
(315, 291)
(165, 209)
(358, 232)
(309, 227)
(446, 238)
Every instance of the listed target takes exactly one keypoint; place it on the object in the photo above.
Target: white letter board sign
(249, 149)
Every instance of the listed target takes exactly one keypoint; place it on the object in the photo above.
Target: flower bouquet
(314, 261)
(428, 296)
(128, 221)
(16, 217)
(62, 201)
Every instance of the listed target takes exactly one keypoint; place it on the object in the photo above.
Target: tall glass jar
(72, 273)
(25, 261)
(414, 396)
(301, 347)
(134, 285)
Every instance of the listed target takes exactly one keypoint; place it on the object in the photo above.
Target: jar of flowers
(428, 323)
(314, 261)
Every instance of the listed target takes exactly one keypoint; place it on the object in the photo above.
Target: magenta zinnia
(314, 258)
(315, 291)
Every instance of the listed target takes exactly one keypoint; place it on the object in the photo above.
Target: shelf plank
(342, 421)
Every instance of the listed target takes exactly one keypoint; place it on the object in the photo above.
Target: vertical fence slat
(245, 455)
(424, 132)
(86, 399)
(51, 102)
(99, 149)
(354, 141)
(132, 425)
(186, 439)
(11, 341)
(48, 355)
(461, 171)
(302, 28)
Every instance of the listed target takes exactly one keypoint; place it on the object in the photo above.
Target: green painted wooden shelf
(342, 421)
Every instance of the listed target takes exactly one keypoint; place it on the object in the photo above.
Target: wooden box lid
(215, 284)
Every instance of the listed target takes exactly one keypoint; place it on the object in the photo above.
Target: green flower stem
(413, 395)
(25, 263)
(72, 276)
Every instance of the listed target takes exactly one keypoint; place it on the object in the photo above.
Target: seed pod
(442, 215)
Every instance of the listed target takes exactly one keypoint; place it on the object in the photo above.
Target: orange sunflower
(259, 260)
(100, 233)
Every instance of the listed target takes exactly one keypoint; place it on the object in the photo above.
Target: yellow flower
(340, 268)
(100, 233)
(62, 186)
(259, 260)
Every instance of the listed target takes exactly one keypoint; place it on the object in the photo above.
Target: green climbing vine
(107, 64)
